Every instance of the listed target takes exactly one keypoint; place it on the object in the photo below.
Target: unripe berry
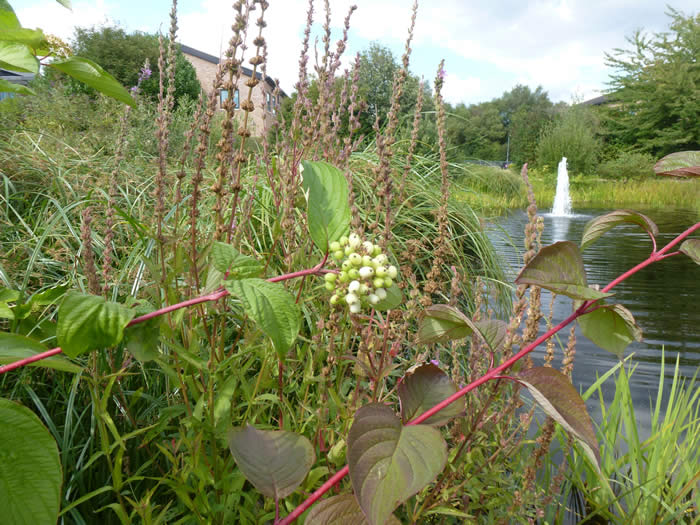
(334, 246)
(354, 240)
(344, 277)
(353, 273)
(388, 282)
(378, 282)
(351, 298)
(355, 259)
(330, 286)
(354, 286)
(330, 277)
(355, 308)
(368, 246)
(392, 271)
(373, 298)
(346, 265)
(348, 250)
(366, 272)
(343, 240)
(338, 255)
(381, 259)
(380, 271)
(366, 260)
(376, 250)
(364, 289)
(381, 293)
(334, 299)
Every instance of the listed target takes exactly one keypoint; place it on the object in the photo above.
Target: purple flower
(441, 74)
(435, 362)
(145, 73)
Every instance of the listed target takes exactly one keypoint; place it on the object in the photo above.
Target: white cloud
(458, 89)
(56, 19)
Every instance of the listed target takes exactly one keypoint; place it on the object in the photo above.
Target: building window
(5, 95)
(223, 97)
(269, 101)
(274, 105)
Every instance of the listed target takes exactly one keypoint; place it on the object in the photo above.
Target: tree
(655, 90)
(476, 132)
(376, 80)
(524, 114)
(123, 55)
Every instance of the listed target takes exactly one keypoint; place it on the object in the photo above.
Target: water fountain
(562, 199)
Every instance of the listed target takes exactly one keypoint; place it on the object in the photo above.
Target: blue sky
(488, 46)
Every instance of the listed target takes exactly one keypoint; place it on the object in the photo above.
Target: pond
(664, 298)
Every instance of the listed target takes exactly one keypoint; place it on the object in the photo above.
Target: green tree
(123, 55)
(574, 135)
(376, 79)
(655, 90)
(476, 132)
(524, 114)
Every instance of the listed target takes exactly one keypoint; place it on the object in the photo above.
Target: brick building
(264, 93)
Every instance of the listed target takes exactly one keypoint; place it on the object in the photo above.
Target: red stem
(494, 373)
(213, 296)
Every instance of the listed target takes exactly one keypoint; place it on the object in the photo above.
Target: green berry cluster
(364, 273)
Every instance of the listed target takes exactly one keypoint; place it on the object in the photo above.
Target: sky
(489, 46)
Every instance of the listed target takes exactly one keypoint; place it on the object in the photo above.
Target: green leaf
(65, 3)
(87, 322)
(679, 164)
(48, 297)
(34, 38)
(30, 468)
(389, 462)
(553, 391)
(612, 328)
(600, 225)
(8, 19)
(691, 248)
(493, 332)
(8, 295)
(441, 323)
(274, 461)
(328, 211)
(94, 76)
(14, 347)
(5, 311)
(422, 389)
(393, 299)
(226, 258)
(340, 510)
(10, 87)
(17, 57)
(143, 339)
(272, 308)
(559, 268)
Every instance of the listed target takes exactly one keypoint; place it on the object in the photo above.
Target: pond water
(664, 298)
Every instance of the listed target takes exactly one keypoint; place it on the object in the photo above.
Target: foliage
(476, 132)
(627, 165)
(124, 54)
(654, 107)
(571, 135)
(20, 49)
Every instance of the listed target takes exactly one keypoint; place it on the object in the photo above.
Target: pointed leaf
(559, 268)
(340, 510)
(94, 76)
(34, 38)
(14, 347)
(691, 248)
(389, 462)
(272, 307)
(30, 468)
(88, 322)
(493, 332)
(612, 328)
(679, 164)
(328, 211)
(65, 3)
(227, 259)
(48, 297)
(9, 87)
(422, 389)
(274, 461)
(8, 19)
(600, 225)
(393, 299)
(553, 391)
(17, 57)
(441, 323)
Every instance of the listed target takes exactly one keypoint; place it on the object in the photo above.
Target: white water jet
(562, 199)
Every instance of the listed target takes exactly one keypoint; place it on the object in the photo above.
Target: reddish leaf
(600, 225)
(422, 389)
(691, 248)
(441, 323)
(679, 164)
(612, 328)
(340, 510)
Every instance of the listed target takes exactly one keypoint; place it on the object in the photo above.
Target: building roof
(16, 77)
(597, 101)
(215, 60)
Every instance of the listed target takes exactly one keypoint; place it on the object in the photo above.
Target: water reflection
(664, 298)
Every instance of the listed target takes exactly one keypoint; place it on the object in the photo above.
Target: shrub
(628, 165)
